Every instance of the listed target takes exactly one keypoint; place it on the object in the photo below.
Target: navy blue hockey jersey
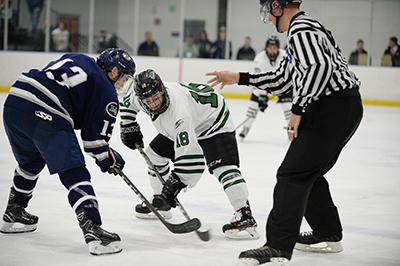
(72, 92)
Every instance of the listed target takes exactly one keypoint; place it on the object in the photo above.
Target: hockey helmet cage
(147, 84)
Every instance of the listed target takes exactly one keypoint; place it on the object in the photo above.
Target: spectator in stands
(189, 49)
(60, 38)
(105, 41)
(204, 45)
(35, 9)
(246, 52)
(148, 47)
(218, 47)
(394, 51)
(354, 56)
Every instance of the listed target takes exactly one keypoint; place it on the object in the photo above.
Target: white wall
(125, 20)
(378, 83)
(372, 20)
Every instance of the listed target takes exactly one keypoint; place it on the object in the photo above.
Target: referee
(326, 111)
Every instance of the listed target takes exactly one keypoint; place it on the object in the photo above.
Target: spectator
(148, 47)
(106, 41)
(189, 50)
(60, 38)
(35, 9)
(394, 51)
(246, 52)
(354, 56)
(204, 45)
(218, 47)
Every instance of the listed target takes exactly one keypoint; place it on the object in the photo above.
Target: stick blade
(203, 235)
(186, 227)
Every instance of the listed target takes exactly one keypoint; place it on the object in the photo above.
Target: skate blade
(15, 228)
(97, 249)
(252, 262)
(151, 216)
(249, 233)
(323, 247)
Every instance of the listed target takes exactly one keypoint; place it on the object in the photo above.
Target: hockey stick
(244, 122)
(186, 227)
(203, 235)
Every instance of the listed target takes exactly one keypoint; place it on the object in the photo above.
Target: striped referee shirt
(313, 68)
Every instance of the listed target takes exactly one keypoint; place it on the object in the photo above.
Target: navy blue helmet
(117, 57)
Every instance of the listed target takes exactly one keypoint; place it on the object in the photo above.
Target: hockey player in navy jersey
(40, 114)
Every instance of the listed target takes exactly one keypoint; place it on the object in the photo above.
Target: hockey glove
(131, 135)
(170, 191)
(111, 164)
(262, 102)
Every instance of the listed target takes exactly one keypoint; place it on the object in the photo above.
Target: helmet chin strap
(277, 21)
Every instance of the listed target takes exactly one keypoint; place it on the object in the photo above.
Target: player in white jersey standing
(194, 123)
(265, 61)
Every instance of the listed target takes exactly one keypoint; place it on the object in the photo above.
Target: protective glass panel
(69, 26)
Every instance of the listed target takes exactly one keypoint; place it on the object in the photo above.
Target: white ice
(365, 184)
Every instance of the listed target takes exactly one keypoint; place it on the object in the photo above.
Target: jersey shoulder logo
(178, 123)
(112, 109)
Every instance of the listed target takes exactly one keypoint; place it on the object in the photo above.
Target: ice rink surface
(365, 184)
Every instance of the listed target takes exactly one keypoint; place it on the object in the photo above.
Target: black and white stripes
(314, 66)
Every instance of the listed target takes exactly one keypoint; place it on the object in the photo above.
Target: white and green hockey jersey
(195, 112)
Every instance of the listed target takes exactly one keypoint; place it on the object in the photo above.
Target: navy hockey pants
(37, 142)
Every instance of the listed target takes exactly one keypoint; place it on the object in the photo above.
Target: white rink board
(378, 83)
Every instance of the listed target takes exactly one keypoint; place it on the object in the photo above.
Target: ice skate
(143, 212)
(264, 255)
(242, 225)
(16, 219)
(100, 241)
(308, 242)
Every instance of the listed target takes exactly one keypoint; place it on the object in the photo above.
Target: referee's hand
(292, 128)
(223, 78)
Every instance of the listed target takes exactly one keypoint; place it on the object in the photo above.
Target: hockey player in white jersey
(194, 124)
(265, 61)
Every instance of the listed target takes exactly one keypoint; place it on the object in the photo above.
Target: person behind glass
(149, 47)
(106, 41)
(204, 45)
(326, 111)
(394, 51)
(218, 47)
(35, 9)
(60, 38)
(246, 52)
(189, 49)
(353, 60)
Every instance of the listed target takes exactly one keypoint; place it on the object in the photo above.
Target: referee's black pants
(301, 188)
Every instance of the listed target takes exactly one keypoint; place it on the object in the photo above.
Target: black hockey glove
(262, 102)
(111, 164)
(170, 191)
(131, 135)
